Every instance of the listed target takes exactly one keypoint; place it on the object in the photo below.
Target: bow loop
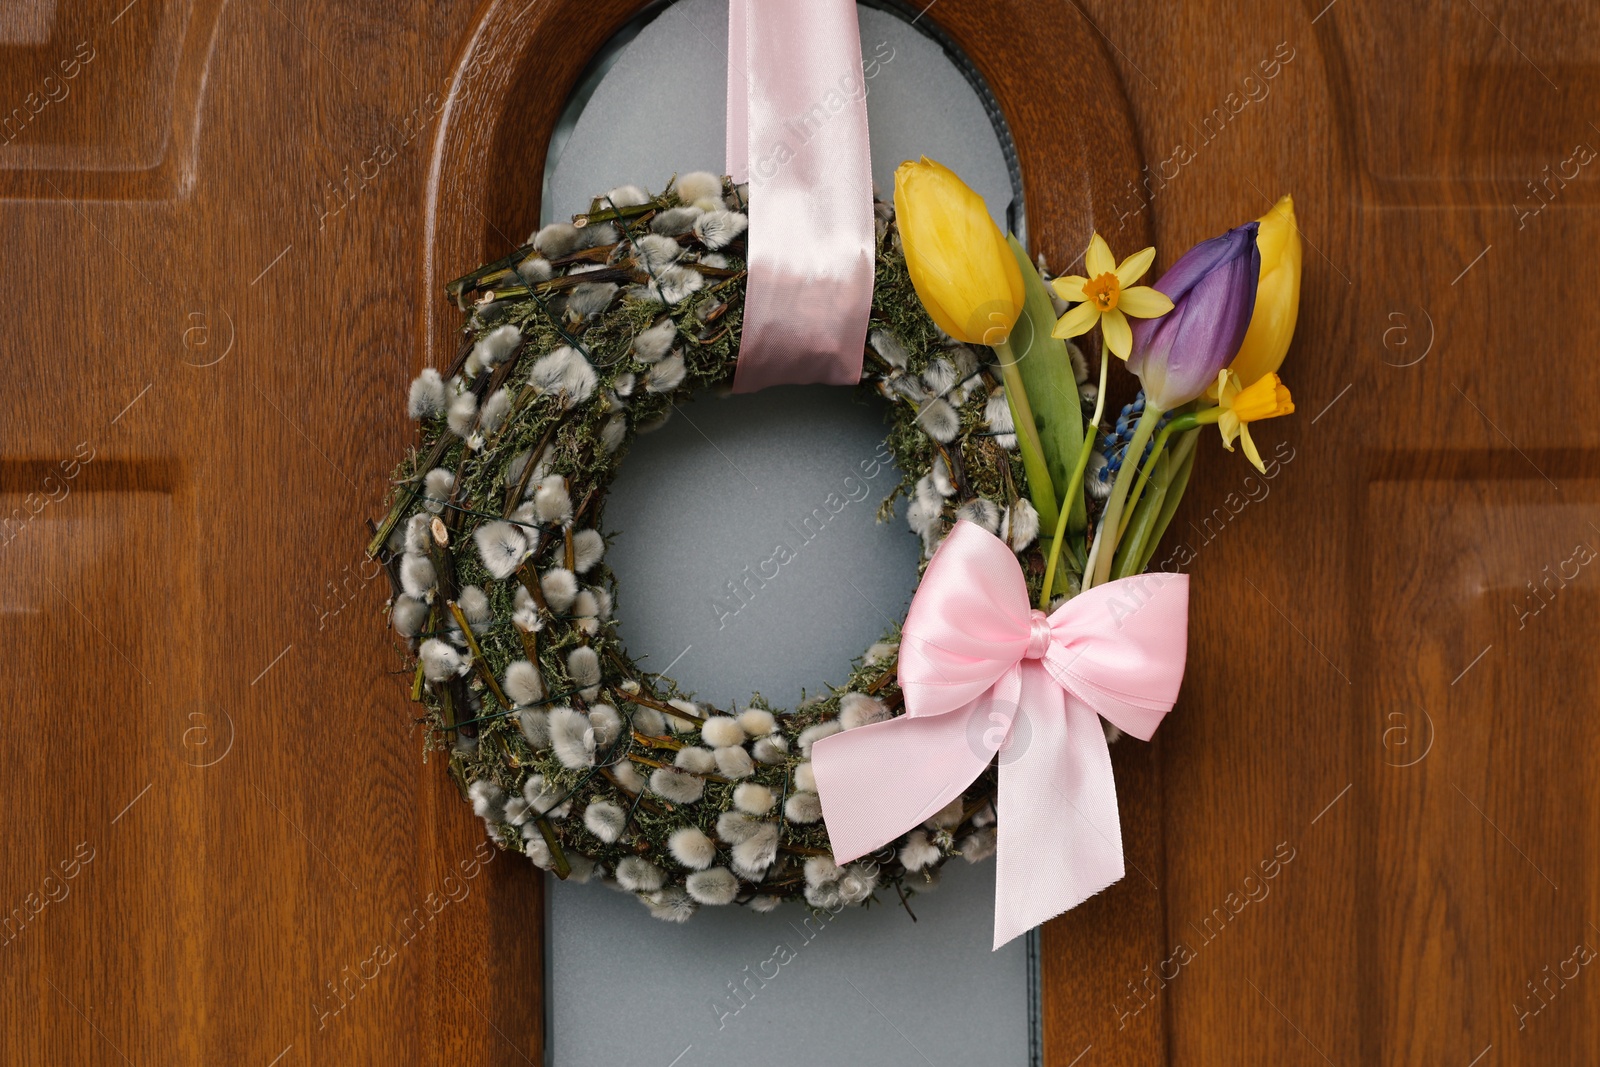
(1113, 645)
(983, 673)
(969, 623)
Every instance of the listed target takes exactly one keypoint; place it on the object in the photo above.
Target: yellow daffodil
(1108, 296)
(958, 259)
(1277, 295)
(1239, 405)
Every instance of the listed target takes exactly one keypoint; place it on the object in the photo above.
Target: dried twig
(478, 659)
(652, 762)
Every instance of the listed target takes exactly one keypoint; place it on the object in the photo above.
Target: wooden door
(1364, 837)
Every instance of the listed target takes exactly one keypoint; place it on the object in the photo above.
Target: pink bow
(983, 674)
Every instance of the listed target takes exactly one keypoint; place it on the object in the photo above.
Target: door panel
(1335, 700)
(1481, 831)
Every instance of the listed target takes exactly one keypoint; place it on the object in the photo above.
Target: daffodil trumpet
(1239, 406)
(1075, 485)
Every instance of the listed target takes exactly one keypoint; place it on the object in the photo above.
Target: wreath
(495, 542)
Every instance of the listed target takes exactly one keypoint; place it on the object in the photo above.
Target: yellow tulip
(1277, 295)
(959, 262)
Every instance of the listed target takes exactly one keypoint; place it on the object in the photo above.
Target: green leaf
(1183, 454)
(1146, 516)
(1046, 372)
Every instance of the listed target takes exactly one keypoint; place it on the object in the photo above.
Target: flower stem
(1182, 459)
(1074, 486)
(1177, 425)
(1040, 489)
(1112, 519)
(1140, 519)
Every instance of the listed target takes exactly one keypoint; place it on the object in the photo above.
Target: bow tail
(1060, 838)
(878, 781)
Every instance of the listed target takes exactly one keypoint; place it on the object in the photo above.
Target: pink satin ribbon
(797, 132)
(984, 674)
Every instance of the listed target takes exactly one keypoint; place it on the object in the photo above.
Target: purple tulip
(1213, 292)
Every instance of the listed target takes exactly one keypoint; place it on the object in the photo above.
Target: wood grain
(1365, 578)
(226, 241)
